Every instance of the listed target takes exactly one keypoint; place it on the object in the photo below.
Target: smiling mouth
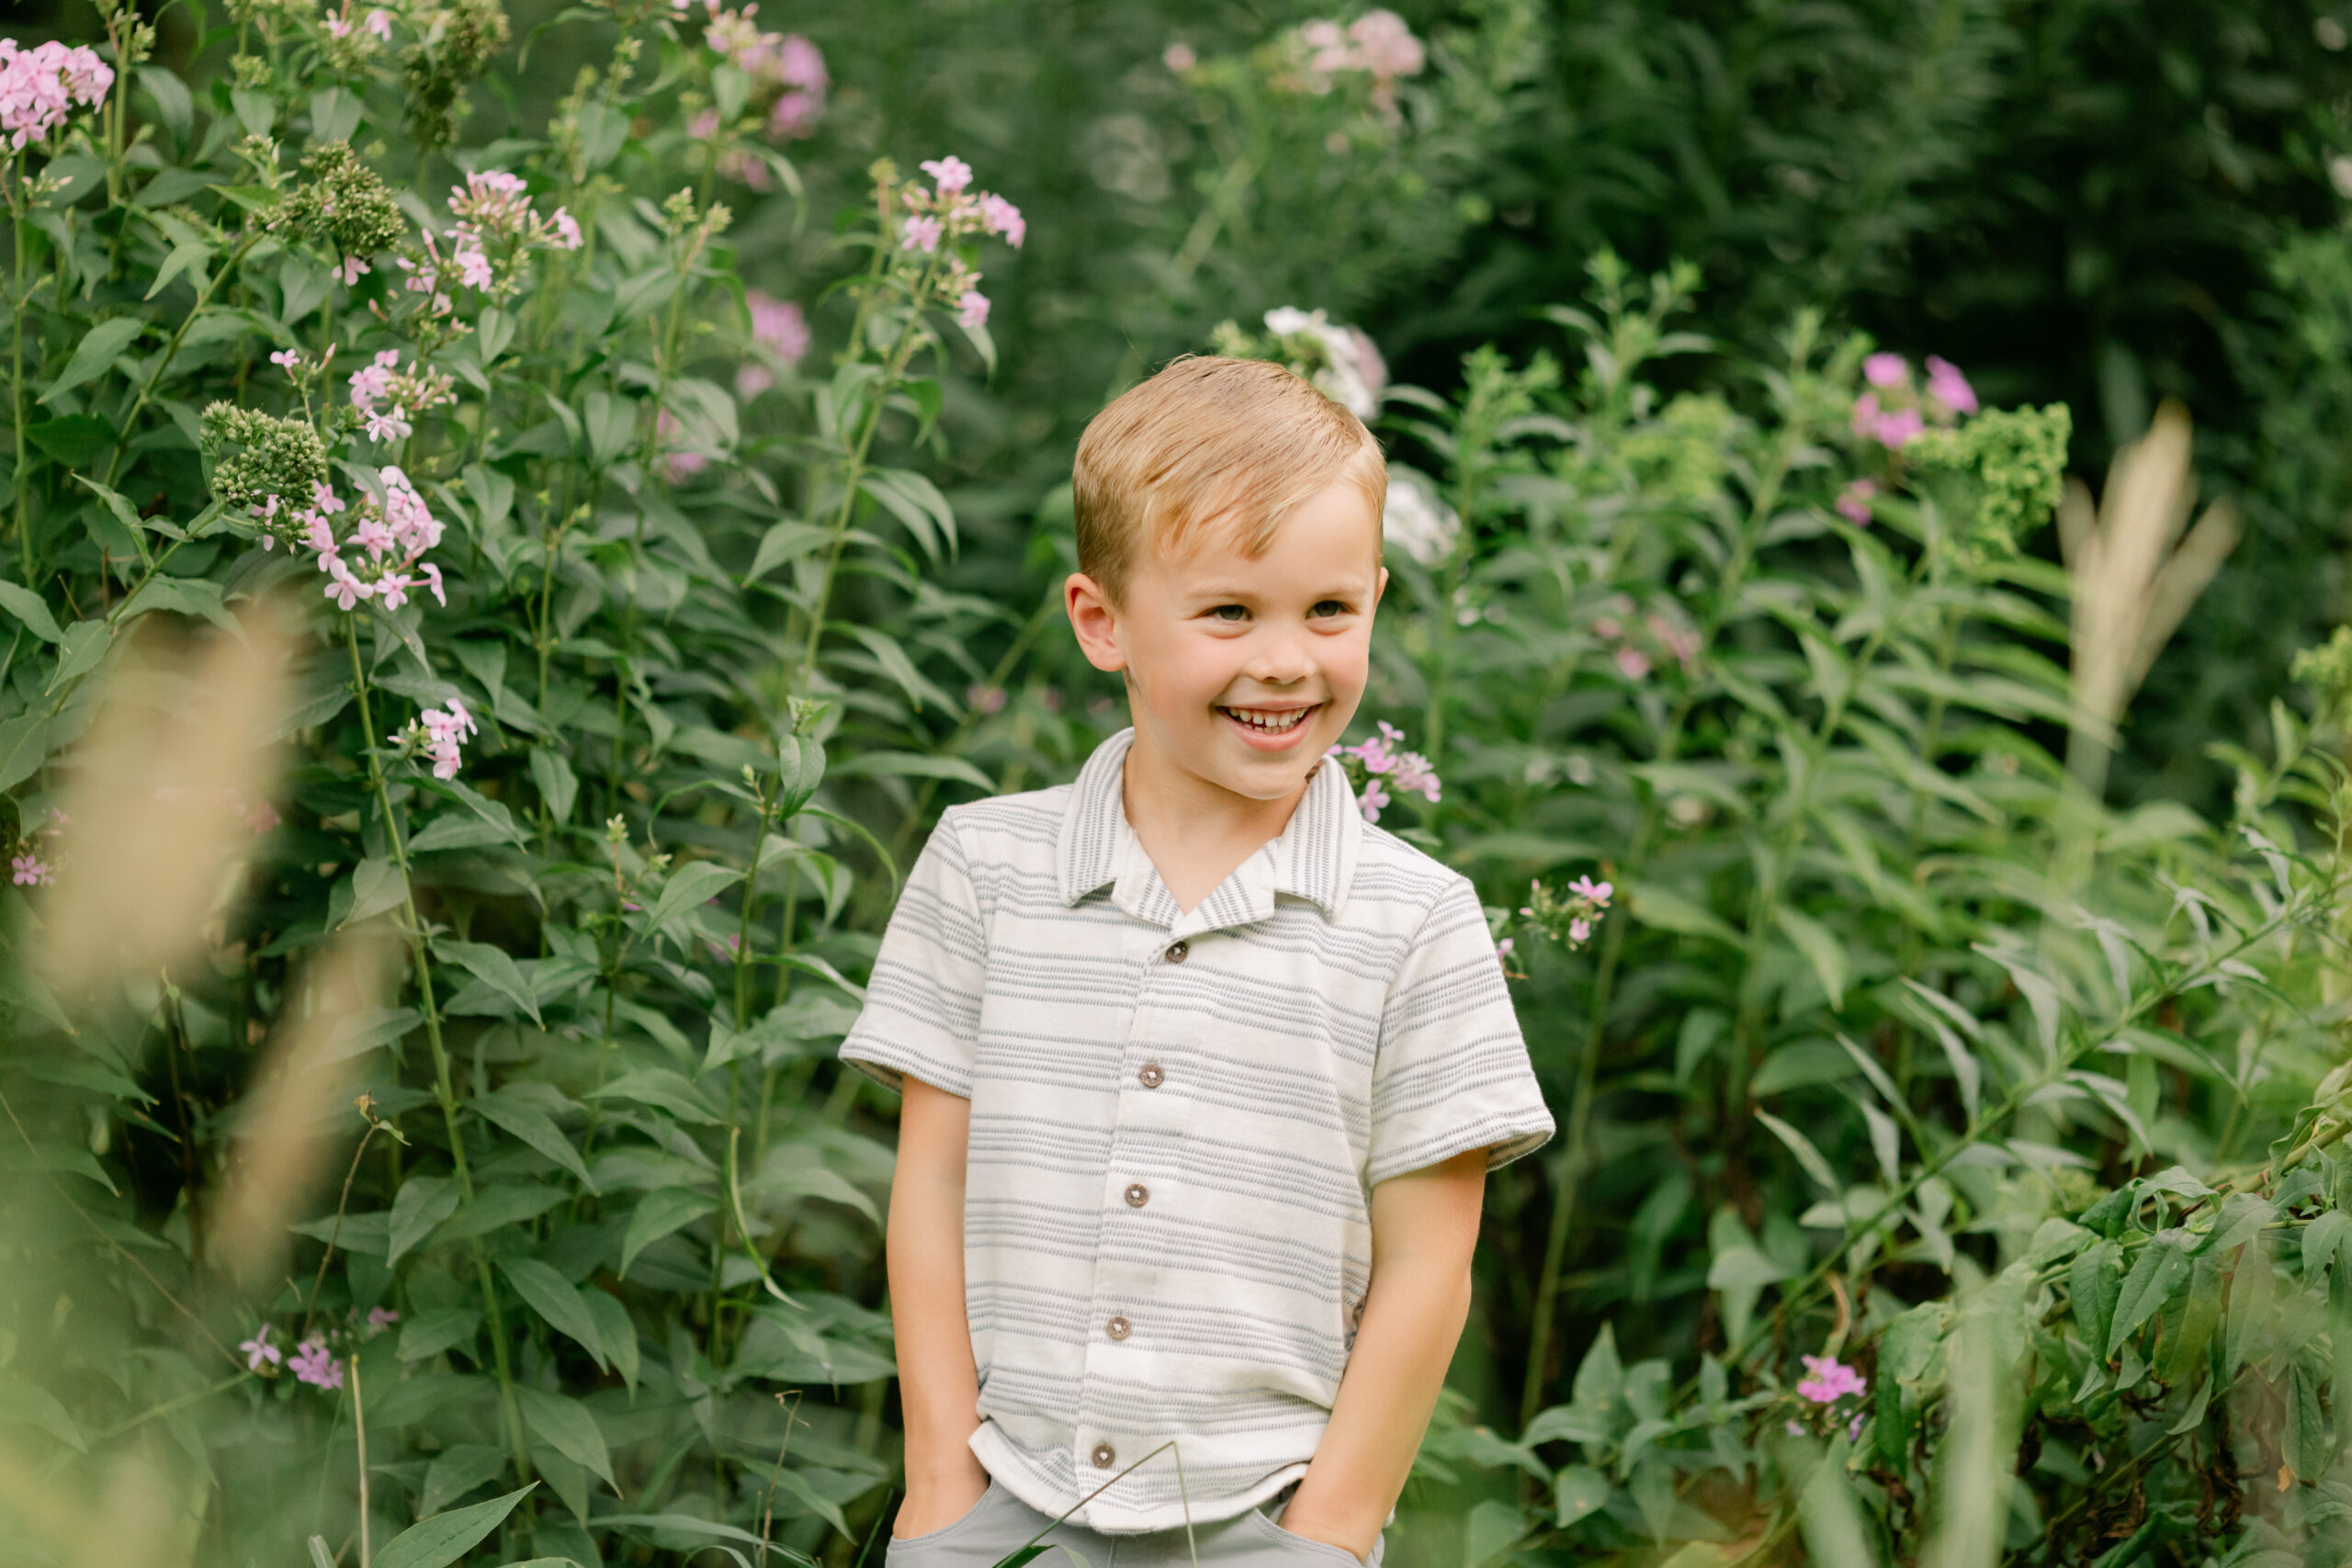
(1269, 721)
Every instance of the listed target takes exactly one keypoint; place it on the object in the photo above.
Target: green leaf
(455, 830)
(565, 1426)
(784, 541)
(512, 1109)
(615, 1330)
(2305, 1437)
(74, 441)
(556, 784)
(2162, 1265)
(24, 747)
(556, 1300)
(27, 606)
(95, 353)
(494, 968)
(1801, 1147)
(376, 886)
(691, 885)
(914, 765)
(429, 1333)
(1670, 911)
(1823, 951)
(658, 1213)
(172, 100)
(1577, 1492)
(85, 643)
(422, 1202)
(440, 1541)
(506, 1205)
(181, 596)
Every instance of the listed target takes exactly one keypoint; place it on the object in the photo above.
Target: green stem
(171, 351)
(443, 1091)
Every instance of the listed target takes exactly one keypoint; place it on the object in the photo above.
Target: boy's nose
(1279, 662)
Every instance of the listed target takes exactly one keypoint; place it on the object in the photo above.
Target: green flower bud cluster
(457, 40)
(2018, 457)
(342, 204)
(283, 458)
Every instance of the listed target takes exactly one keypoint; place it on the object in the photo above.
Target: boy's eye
(1230, 614)
(1327, 607)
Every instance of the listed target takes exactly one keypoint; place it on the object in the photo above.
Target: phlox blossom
(39, 87)
(998, 216)
(972, 310)
(382, 1318)
(951, 174)
(314, 1364)
(380, 24)
(29, 870)
(1887, 370)
(1949, 386)
(1831, 1381)
(921, 233)
(1854, 502)
(259, 1351)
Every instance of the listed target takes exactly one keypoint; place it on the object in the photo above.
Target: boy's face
(1243, 671)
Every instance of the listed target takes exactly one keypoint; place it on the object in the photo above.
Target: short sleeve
(922, 1002)
(1452, 1074)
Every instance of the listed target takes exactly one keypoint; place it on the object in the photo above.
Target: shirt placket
(1135, 1197)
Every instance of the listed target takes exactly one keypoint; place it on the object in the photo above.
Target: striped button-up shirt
(1178, 1118)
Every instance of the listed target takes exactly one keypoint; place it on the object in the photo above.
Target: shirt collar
(1314, 859)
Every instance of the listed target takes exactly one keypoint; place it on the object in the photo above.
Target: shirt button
(1137, 1194)
(1105, 1456)
(1151, 1077)
(1118, 1329)
(1179, 951)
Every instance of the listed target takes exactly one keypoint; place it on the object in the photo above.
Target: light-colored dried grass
(154, 838)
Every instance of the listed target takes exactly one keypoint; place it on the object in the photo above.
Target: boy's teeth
(1275, 722)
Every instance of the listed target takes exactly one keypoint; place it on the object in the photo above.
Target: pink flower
(998, 216)
(1632, 662)
(388, 426)
(433, 581)
(259, 1351)
(380, 24)
(1179, 57)
(39, 87)
(985, 699)
(799, 64)
(1372, 799)
(346, 590)
(1831, 1381)
(778, 326)
(1579, 931)
(382, 1318)
(29, 870)
(1385, 46)
(1893, 430)
(567, 231)
(1414, 773)
(704, 126)
(972, 310)
(951, 174)
(286, 359)
(1503, 948)
(352, 270)
(1854, 501)
(473, 265)
(338, 28)
(794, 115)
(1592, 892)
(314, 1364)
(1887, 370)
(1949, 386)
(920, 235)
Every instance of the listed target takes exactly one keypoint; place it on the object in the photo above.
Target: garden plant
(480, 647)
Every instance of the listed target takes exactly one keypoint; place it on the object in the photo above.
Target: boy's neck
(1195, 831)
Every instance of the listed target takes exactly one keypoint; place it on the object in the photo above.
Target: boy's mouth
(1262, 724)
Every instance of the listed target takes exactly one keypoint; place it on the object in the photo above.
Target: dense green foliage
(1893, 1047)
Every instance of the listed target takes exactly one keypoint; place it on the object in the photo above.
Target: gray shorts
(1001, 1524)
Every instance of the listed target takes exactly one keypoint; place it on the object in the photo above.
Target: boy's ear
(1096, 618)
(1381, 591)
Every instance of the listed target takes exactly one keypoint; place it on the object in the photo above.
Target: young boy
(1203, 1072)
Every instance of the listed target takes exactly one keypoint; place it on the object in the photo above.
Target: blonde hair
(1237, 442)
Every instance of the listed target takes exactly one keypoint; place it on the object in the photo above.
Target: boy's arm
(938, 1385)
(1424, 1228)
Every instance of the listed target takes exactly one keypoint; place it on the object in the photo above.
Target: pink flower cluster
(392, 535)
(1854, 501)
(496, 227)
(1568, 919)
(1377, 43)
(1831, 1381)
(1380, 763)
(781, 331)
(377, 25)
(383, 382)
(439, 733)
(948, 212)
(1892, 412)
(26, 868)
(783, 63)
(39, 87)
(1667, 636)
(315, 1361)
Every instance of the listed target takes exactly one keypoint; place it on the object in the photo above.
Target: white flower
(1416, 521)
(1353, 375)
